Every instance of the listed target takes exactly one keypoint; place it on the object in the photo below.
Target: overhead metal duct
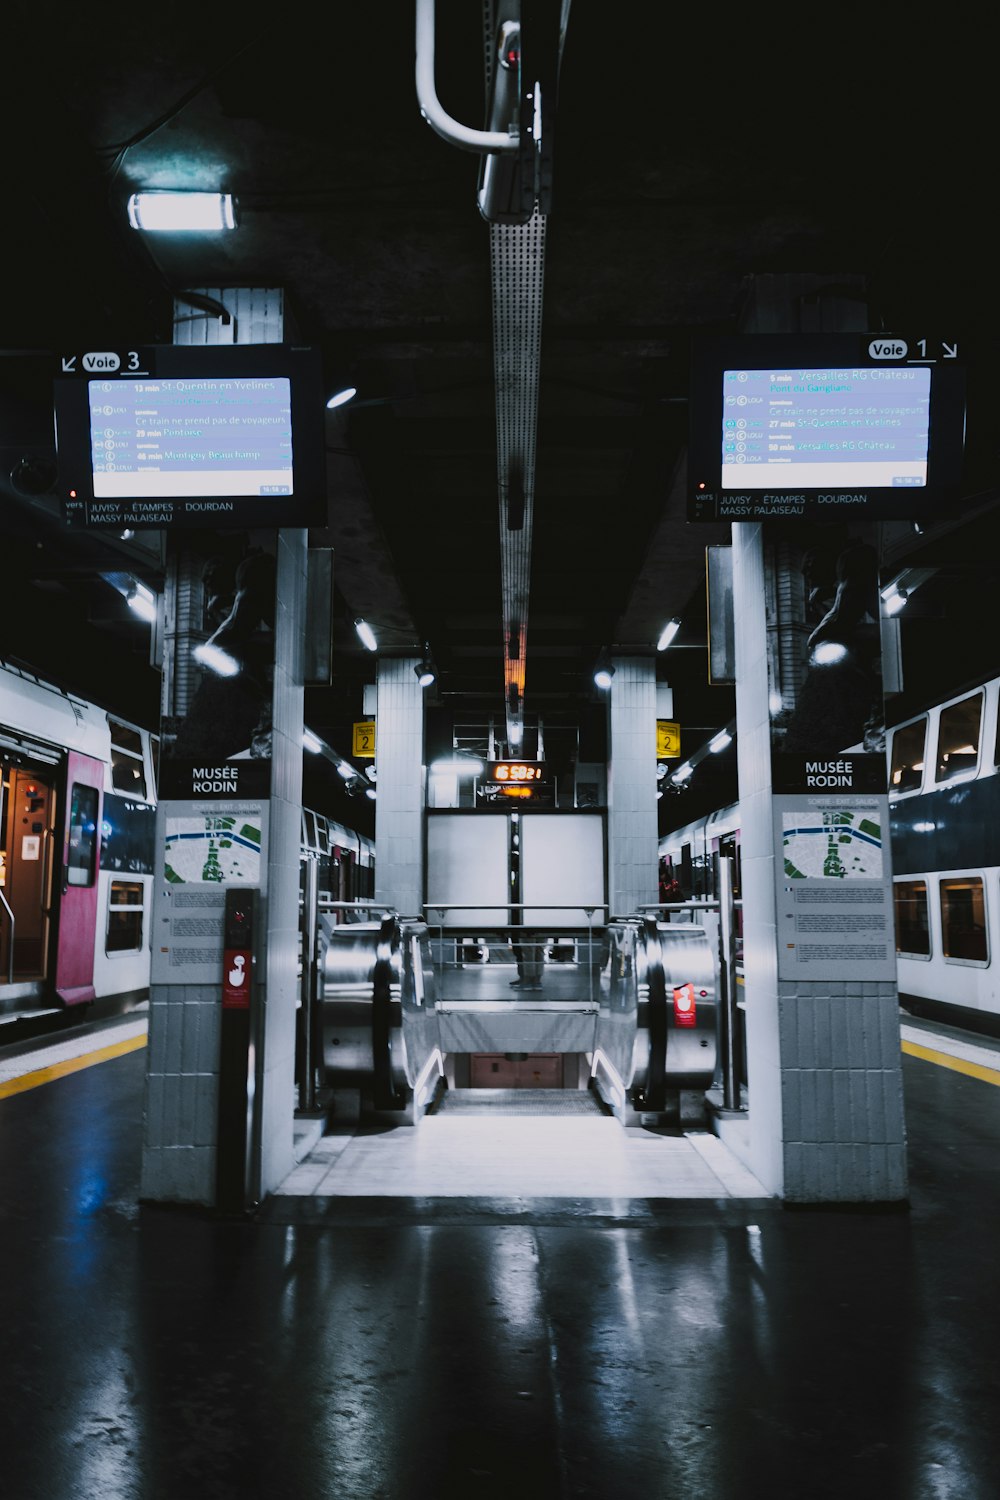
(518, 145)
(517, 266)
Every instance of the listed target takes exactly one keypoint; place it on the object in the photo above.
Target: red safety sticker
(236, 965)
(684, 1006)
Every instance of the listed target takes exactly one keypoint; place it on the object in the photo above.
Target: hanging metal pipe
(437, 117)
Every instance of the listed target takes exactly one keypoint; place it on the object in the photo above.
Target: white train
(944, 798)
(77, 848)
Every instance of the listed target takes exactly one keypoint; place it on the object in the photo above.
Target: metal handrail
(586, 906)
(13, 924)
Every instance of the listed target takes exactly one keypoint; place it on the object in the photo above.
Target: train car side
(76, 846)
(944, 799)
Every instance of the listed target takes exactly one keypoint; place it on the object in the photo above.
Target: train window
(958, 737)
(913, 935)
(81, 862)
(963, 918)
(908, 757)
(125, 909)
(128, 773)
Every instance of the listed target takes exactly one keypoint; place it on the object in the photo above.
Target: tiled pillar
(823, 1056)
(399, 805)
(632, 825)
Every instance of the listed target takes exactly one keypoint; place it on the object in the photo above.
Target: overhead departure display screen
(218, 436)
(824, 425)
(826, 428)
(157, 439)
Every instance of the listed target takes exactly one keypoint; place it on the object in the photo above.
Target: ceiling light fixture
(341, 398)
(425, 670)
(603, 672)
(142, 602)
(668, 632)
(828, 653)
(216, 660)
(457, 765)
(366, 635)
(311, 742)
(205, 213)
(720, 742)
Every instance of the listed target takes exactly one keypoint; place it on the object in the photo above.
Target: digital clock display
(515, 772)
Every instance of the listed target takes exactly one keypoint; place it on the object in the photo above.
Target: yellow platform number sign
(364, 740)
(668, 739)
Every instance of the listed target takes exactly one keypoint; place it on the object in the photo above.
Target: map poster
(833, 888)
(203, 848)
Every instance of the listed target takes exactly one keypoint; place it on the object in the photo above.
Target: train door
(74, 981)
(27, 826)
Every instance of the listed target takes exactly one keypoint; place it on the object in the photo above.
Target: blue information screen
(827, 428)
(155, 438)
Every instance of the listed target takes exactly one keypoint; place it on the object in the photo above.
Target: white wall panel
(467, 861)
(562, 861)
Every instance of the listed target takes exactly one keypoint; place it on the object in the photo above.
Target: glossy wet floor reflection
(405, 1348)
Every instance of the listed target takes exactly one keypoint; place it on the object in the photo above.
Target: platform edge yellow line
(35, 1079)
(956, 1064)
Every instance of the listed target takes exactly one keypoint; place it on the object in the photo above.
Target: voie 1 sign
(170, 435)
(864, 426)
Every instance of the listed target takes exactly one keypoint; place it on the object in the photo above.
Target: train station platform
(385, 1344)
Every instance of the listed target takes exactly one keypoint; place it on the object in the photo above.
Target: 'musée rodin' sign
(842, 773)
(182, 778)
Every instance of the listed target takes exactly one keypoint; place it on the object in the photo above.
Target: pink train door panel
(78, 880)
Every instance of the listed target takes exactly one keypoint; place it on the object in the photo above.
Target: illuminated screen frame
(835, 383)
(219, 505)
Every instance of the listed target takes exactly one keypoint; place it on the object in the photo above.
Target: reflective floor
(397, 1348)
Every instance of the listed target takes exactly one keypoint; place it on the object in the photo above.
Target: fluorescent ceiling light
(682, 773)
(182, 212)
(893, 601)
(458, 765)
(343, 769)
(142, 602)
(310, 742)
(216, 660)
(720, 742)
(341, 398)
(667, 634)
(366, 635)
(603, 676)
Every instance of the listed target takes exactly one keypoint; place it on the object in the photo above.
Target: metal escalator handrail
(13, 924)
(655, 1092)
(382, 1080)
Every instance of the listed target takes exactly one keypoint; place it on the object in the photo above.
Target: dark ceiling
(695, 159)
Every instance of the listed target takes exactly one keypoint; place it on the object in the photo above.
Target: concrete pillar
(399, 804)
(632, 824)
(272, 1158)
